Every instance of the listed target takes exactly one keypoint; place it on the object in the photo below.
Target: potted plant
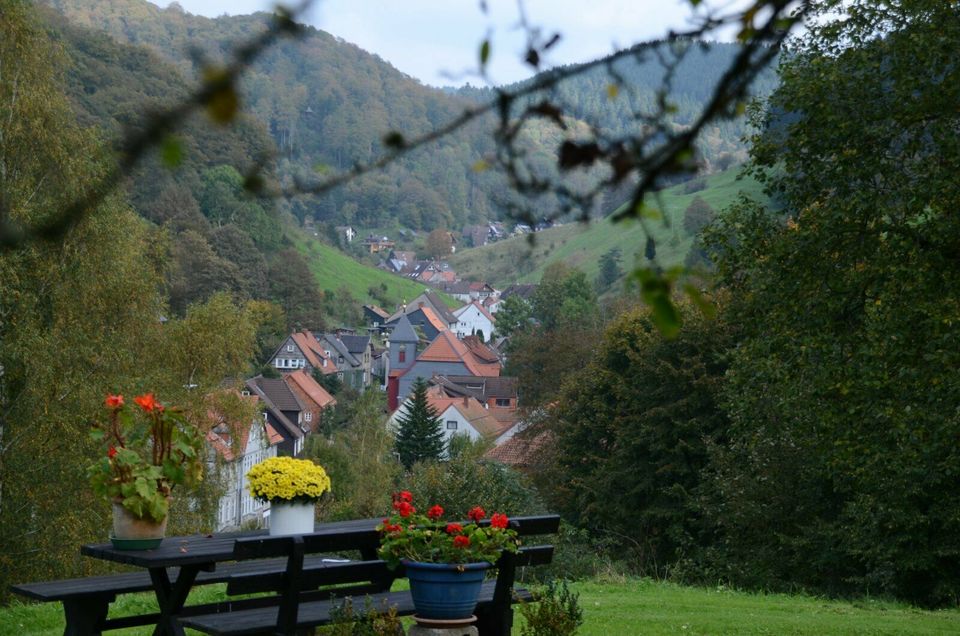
(147, 451)
(292, 487)
(445, 561)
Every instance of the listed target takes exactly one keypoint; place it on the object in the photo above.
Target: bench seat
(315, 613)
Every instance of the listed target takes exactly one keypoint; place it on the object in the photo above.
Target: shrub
(556, 613)
(464, 482)
(370, 621)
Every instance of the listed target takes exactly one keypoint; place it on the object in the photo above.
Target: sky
(438, 41)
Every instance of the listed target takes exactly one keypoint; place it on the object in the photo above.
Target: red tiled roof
(481, 351)
(311, 387)
(519, 450)
(222, 441)
(432, 317)
(272, 435)
(446, 348)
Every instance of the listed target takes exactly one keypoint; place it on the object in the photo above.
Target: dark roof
(403, 331)
(524, 291)
(277, 391)
(440, 307)
(377, 310)
(266, 389)
(457, 287)
(356, 344)
(490, 387)
(337, 343)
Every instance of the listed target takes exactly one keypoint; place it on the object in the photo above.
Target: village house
(464, 416)
(427, 299)
(300, 350)
(375, 317)
(352, 355)
(499, 393)
(239, 446)
(377, 244)
(314, 398)
(473, 319)
(446, 355)
(282, 411)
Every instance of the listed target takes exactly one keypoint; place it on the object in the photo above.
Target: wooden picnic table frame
(191, 555)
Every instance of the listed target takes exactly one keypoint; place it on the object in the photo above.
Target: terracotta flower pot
(133, 533)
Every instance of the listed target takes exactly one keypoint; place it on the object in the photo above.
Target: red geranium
(146, 401)
(427, 538)
(113, 401)
(112, 452)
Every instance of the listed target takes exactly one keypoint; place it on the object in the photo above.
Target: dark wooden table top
(201, 549)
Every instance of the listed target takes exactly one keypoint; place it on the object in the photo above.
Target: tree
(438, 244)
(514, 314)
(840, 406)
(610, 270)
(564, 297)
(634, 426)
(697, 215)
(419, 432)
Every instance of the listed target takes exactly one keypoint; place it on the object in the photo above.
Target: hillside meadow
(638, 607)
(522, 259)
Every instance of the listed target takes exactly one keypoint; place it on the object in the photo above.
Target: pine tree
(419, 436)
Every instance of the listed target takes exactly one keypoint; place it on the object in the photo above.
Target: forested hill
(326, 102)
(586, 96)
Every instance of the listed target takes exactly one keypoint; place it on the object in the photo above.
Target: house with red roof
(315, 398)
(301, 350)
(464, 416)
(446, 355)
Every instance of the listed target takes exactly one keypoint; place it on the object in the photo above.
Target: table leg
(85, 616)
(171, 597)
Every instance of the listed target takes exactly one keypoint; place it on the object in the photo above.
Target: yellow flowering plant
(286, 479)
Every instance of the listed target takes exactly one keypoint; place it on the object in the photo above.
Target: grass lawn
(638, 607)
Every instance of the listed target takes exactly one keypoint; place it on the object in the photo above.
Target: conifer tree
(419, 436)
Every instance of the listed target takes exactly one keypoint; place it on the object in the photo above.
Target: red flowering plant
(146, 452)
(409, 535)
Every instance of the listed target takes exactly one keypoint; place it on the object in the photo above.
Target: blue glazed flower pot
(445, 591)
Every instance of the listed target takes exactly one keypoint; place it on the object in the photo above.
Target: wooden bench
(86, 600)
(302, 594)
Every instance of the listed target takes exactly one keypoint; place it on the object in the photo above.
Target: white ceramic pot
(291, 518)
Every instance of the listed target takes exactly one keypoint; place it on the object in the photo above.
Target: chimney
(466, 401)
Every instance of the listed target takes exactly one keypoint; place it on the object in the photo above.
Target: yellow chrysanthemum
(287, 479)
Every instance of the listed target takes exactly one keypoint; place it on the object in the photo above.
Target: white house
(474, 319)
(258, 442)
(458, 416)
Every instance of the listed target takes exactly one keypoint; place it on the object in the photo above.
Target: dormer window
(289, 348)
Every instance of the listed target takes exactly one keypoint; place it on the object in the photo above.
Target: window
(402, 356)
(290, 348)
(451, 425)
(503, 401)
(308, 416)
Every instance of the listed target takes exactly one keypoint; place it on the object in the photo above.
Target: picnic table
(180, 564)
(174, 568)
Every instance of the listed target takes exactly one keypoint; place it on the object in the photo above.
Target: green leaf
(484, 53)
